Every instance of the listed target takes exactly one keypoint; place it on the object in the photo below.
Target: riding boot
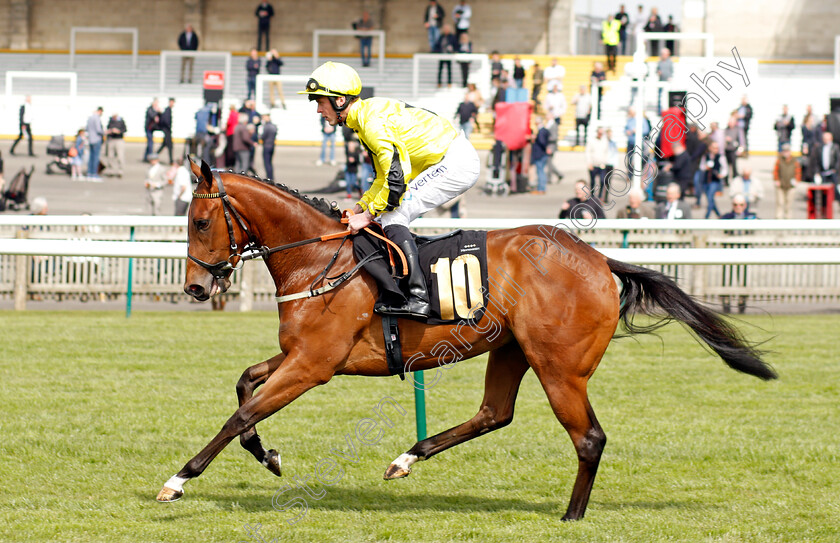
(417, 304)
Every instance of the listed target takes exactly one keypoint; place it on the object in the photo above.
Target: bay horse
(554, 307)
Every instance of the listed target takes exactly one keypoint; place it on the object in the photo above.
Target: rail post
(21, 269)
(128, 292)
(420, 404)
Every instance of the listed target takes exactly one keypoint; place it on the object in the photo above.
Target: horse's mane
(330, 209)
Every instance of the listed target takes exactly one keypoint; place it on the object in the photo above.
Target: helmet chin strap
(339, 110)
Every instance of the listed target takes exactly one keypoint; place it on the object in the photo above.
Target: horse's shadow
(354, 499)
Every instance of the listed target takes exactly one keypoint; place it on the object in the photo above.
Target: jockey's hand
(357, 209)
(358, 221)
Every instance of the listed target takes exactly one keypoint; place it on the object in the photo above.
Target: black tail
(644, 290)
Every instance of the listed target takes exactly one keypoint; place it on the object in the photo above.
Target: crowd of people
(618, 30)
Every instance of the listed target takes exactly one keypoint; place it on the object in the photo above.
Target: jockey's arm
(393, 168)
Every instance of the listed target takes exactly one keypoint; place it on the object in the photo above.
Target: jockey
(421, 162)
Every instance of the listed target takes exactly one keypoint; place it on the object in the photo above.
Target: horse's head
(216, 234)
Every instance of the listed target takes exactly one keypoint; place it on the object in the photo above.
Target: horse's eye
(202, 224)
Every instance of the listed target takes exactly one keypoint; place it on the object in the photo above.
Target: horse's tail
(645, 290)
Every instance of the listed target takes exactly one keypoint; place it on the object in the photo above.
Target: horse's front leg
(294, 377)
(250, 440)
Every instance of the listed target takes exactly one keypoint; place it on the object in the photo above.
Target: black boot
(417, 304)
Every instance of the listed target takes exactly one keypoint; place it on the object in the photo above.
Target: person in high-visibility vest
(610, 36)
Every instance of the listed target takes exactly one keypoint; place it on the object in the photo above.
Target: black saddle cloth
(455, 268)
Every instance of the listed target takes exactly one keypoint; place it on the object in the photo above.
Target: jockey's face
(326, 110)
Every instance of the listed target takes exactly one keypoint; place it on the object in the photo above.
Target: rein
(253, 249)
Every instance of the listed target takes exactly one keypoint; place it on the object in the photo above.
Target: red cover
(673, 130)
(513, 124)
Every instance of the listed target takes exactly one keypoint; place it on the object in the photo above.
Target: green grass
(99, 411)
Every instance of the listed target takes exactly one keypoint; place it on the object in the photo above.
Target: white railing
(77, 256)
(103, 30)
(265, 78)
(316, 38)
(164, 55)
(483, 83)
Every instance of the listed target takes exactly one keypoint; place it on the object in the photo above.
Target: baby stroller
(57, 149)
(13, 196)
(496, 184)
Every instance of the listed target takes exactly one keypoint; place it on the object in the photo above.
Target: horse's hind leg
(505, 368)
(564, 381)
(250, 440)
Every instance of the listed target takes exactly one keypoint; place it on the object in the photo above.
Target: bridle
(252, 249)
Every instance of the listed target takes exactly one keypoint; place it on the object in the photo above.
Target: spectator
(518, 72)
(273, 62)
(670, 27)
(151, 124)
(25, 124)
(230, 126)
(598, 74)
(826, 158)
(733, 138)
(654, 24)
(745, 113)
(269, 135)
(555, 105)
(466, 113)
(714, 167)
(475, 95)
(749, 186)
(553, 130)
(2, 180)
(584, 205)
(461, 16)
(202, 138)
(809, 133)
(327, 138)
(639, 26)
(541, 151)
(447, 45)
(537, 79)
(249, 109)
(77, 156)
(665, 71)
(165, 126)
(787, 172)
(740, 210)
(264, 13)
(351, 175)
(95, 135)
(252, 67)
(636, 207)
(155, 181)
(673, 207)
(624, 21)
(496, 67)
(187, 41)
(683, 168)
(242, 145)
(583, 109)
(433, 21)
(365, 42)
(610, 36)
(597, 156)
(464, 46)
(116, 142)
(717, 135)
(613, 158)
(182, 188)
(695, 146)
(553, 75)
(784, 127)
(630, 128)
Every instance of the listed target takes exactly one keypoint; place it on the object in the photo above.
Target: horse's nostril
(195, 290)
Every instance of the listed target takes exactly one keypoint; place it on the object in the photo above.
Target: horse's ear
(198, 171)
(207, 173)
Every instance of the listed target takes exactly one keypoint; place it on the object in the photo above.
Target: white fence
(93, 257)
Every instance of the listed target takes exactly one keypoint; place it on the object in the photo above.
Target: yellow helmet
(333, 79)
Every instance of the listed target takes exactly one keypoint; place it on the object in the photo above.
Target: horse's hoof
(273, 463)
(396, 472)
(166, 494)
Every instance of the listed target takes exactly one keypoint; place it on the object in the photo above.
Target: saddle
(454, 266)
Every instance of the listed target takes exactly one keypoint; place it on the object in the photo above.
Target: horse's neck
(278, 218)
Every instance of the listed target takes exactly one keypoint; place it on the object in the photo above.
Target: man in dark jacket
(826, 162)
(116, 143)
(264, 13)
(187, 41)
(269, 134)
(165, 126)
(252, 67)
(150, 125)
(683, 168)
(585, 206)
